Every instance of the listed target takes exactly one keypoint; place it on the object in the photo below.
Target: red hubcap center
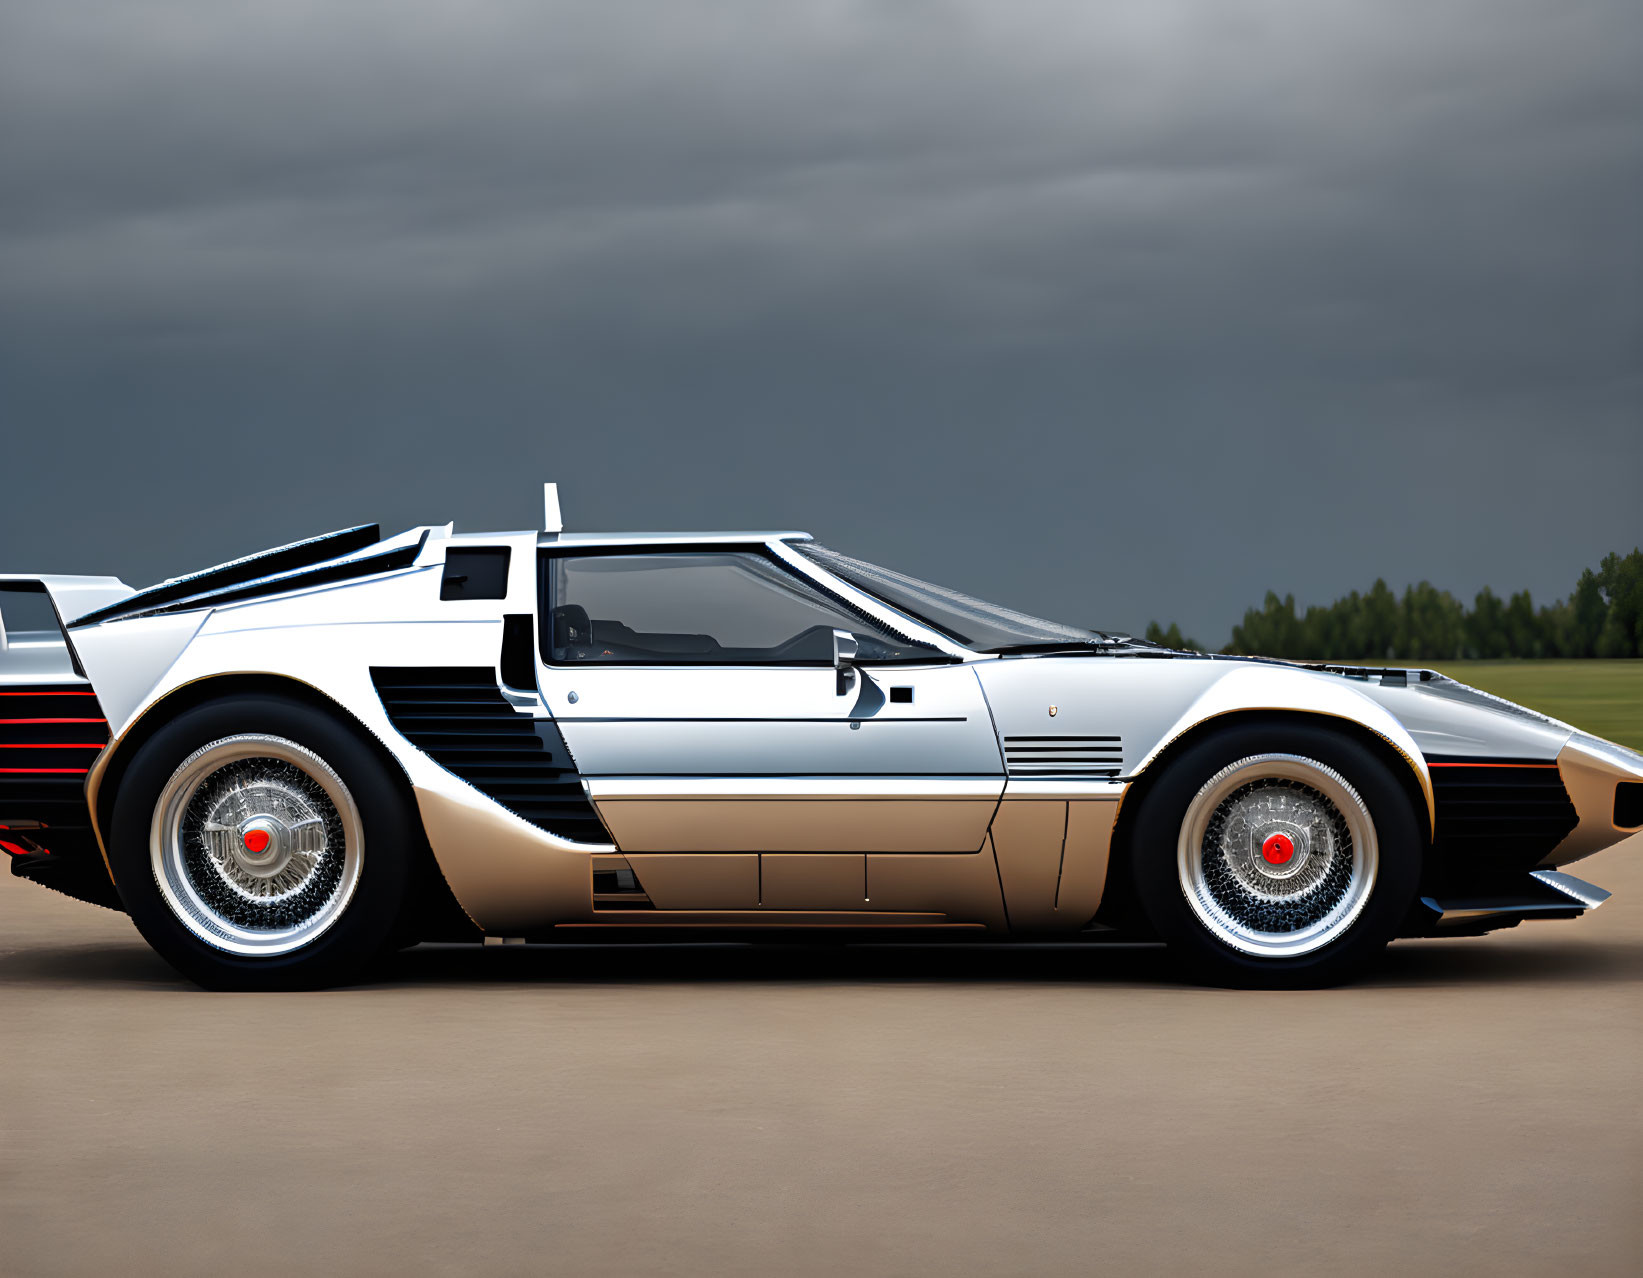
(256, 841)
(1278, 849)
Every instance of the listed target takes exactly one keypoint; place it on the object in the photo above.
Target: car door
(696, 689)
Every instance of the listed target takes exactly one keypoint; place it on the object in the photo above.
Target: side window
(700, 608)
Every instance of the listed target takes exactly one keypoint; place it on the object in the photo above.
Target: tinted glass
(732, 608)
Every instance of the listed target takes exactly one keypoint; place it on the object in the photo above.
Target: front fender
(1278, 688)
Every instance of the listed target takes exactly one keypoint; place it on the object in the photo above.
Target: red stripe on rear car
(53, 720)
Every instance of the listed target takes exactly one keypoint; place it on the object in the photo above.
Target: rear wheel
(258, 843)
(1276, 856)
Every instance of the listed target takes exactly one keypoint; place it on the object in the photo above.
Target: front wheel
(259, 843)
(1276, 856)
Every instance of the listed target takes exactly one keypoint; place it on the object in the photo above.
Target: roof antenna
(552, 520)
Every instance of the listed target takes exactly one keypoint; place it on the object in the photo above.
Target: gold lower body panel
(914, 887)
(1052, 860)
(1042, 869)
(722, 919)
(793, 824)
(507, 876)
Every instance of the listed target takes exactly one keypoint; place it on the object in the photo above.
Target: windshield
(987, 627)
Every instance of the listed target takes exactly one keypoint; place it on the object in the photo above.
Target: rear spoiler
(33, 613)
(52, 729)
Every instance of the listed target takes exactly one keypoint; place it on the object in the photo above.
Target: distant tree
(1556, 625)
(1380, 621)
(1588, 611)
(1523, 632)
(1622, 583)
(1272, 630)
(1603, 616)
(1434, 624)
(1353, 637)
(1410, 619)
(1486, 627)
(1171, 638)
(1315, 632)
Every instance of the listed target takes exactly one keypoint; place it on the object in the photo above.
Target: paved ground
(1475, 1109)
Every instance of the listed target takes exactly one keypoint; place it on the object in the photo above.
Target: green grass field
(1603, 697)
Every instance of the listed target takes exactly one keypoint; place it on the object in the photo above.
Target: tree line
(1602, 617)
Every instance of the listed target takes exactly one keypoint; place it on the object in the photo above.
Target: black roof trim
(265, 563)
(303, 579)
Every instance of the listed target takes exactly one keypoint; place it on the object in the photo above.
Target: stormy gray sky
(1110, 311)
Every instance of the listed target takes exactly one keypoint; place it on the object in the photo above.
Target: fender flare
(103, 781)
(1117, 904)
(1248, 692)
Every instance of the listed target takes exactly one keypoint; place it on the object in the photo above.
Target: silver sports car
(287, 765)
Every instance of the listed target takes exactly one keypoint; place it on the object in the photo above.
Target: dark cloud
(1110, 311)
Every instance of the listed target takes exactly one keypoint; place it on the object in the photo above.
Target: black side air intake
(519, 651)
(1498, 816)
(1628, 805)
(458, 717)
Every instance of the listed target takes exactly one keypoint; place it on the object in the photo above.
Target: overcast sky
(1110, 311)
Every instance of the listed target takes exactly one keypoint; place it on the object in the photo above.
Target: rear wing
(33, 613)
(51, 731)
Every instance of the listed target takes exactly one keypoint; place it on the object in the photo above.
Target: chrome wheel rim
(1277, 855)
(256, 845)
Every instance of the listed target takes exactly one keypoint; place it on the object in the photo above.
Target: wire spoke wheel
(256, 845)
(1277, 855)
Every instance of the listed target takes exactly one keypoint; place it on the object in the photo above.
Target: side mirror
(844, 652)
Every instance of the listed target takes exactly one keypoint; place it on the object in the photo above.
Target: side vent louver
(1064, 756)
(459, 718)
(1498, 816)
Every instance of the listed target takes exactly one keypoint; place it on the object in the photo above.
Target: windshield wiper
(1099, 641)
(1056, 645)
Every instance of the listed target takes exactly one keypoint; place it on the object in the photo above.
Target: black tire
(1160, 852)
(382, 857)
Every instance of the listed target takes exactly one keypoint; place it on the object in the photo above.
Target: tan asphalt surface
(1473, 1109)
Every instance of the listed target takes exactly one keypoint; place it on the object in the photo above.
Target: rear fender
(504, 872)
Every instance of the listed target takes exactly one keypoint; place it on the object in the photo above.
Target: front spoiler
(1544, 894)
